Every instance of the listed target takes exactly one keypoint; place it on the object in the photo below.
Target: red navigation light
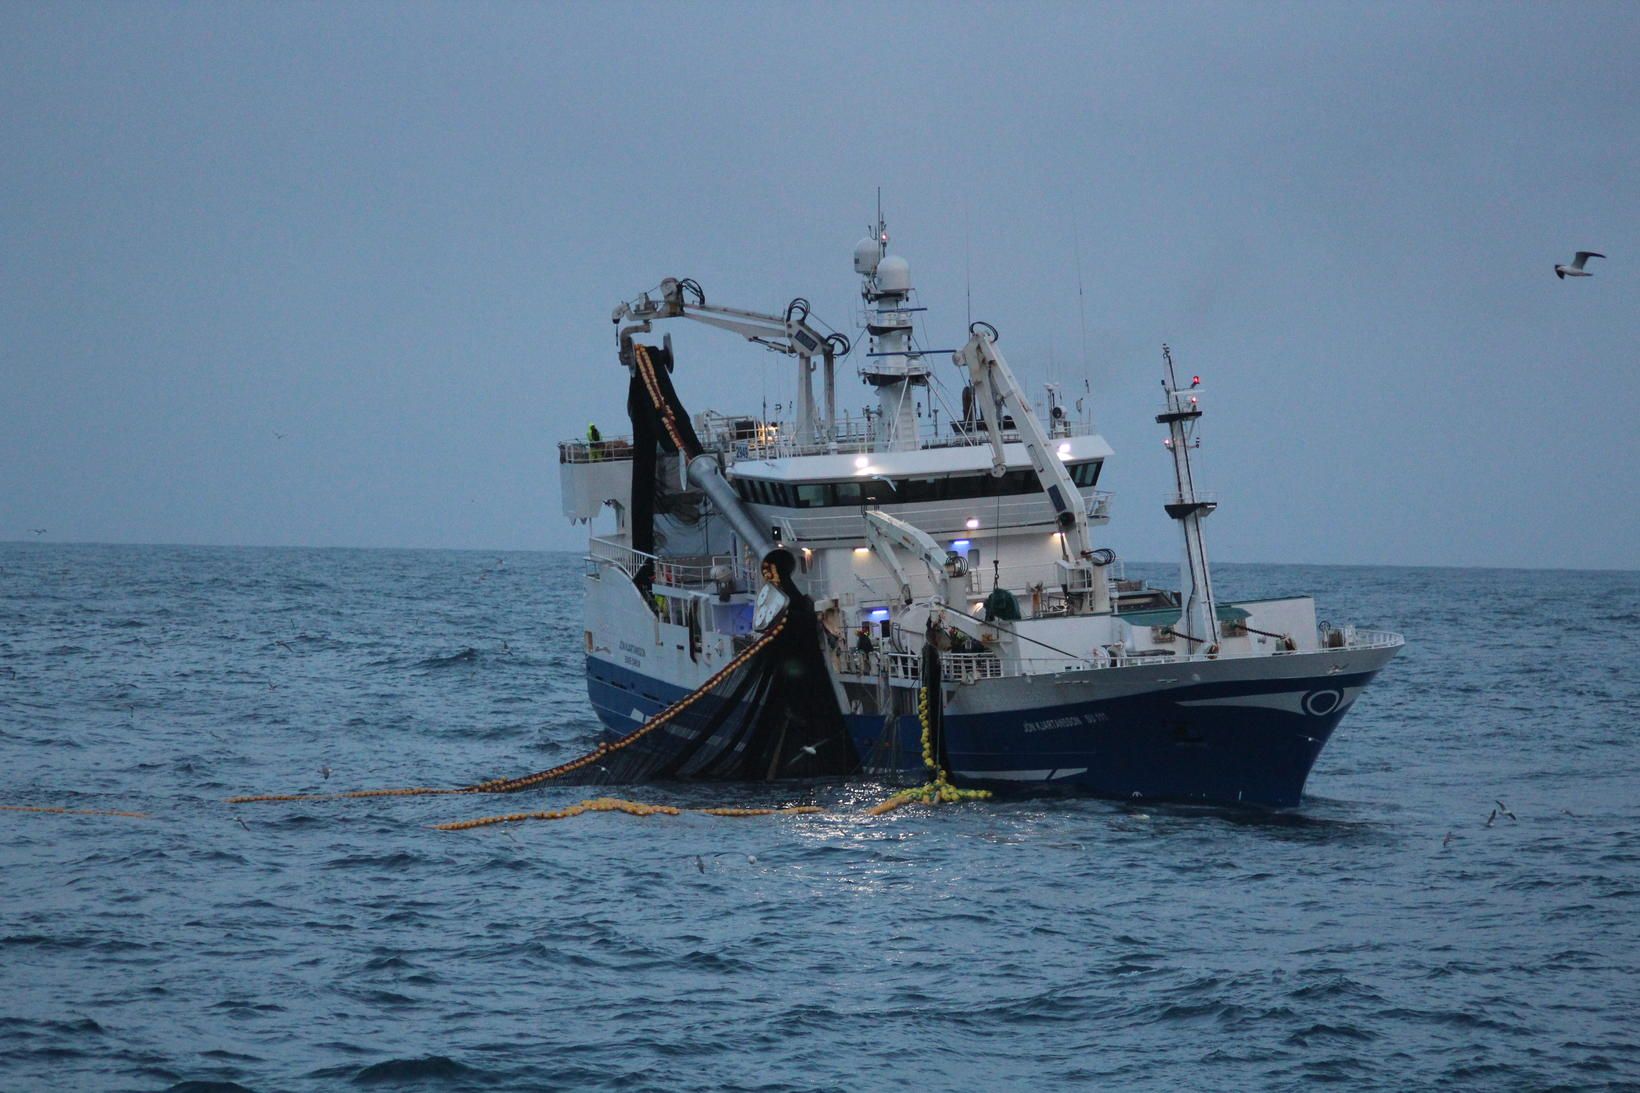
(1195, 381)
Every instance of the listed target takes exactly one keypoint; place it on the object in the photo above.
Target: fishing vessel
(944, 544)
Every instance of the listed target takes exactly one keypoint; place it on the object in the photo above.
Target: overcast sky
(341, 274)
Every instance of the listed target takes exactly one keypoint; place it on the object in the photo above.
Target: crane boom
(789, 333)
(889, 534)
(996, 388)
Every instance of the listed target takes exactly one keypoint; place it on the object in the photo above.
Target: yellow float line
(75, 811)
(528, 781)
(940, 790)
(616, 804)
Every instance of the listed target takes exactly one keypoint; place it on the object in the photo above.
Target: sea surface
(1383, 936)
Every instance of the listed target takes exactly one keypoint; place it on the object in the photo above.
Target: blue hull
(1246, 742)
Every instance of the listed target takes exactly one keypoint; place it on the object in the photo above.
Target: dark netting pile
(661, 436)
(770, 713)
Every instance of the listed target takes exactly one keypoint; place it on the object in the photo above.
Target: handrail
(615, 449)
(967, 667)
(954, 667)
(669, 572)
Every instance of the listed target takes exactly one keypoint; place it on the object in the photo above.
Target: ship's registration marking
(633, 654)
(1069, 722)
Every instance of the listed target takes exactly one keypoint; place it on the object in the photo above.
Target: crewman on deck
(595, 443)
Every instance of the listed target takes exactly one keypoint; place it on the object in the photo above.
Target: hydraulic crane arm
(789, 333)
(888, 535)
(998, 394)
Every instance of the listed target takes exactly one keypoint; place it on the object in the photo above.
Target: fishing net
(771, 712)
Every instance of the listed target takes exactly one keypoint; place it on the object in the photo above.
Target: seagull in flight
(806, 751)
(1576, 268)
(38, 531)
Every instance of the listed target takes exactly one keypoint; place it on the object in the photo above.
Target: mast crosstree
(1198, 619)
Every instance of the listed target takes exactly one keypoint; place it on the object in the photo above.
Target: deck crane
(999, 396)
(789, 333)
(888, 535)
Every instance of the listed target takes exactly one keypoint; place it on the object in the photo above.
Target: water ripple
(1056, 944)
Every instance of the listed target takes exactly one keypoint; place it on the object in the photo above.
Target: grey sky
(395, 233)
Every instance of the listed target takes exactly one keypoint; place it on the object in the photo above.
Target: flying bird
(38, 531)
(806, 751)
(1576, 268)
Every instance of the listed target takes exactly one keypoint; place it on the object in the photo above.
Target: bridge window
(966, 487)
(1085, 475)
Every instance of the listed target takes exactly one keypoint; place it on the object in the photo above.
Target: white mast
(1198, 619)
(892, 365)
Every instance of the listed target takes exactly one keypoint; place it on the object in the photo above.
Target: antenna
(1081, 298)
(967, 263)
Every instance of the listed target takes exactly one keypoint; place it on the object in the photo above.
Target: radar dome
(894, 274)
(865, 256)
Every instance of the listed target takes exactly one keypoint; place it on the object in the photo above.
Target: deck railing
(969, 667)
(615, 449)
(751, 438)
(697, 572)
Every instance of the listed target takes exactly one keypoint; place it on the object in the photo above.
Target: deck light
(973, 522)
(861, 462)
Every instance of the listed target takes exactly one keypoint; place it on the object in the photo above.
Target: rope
(669, 420)
(616, 804)
(1286, 640)
(75, 811)
(528, 781)
(1001, 625)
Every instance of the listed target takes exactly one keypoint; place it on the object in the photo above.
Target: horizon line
(565, 550)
